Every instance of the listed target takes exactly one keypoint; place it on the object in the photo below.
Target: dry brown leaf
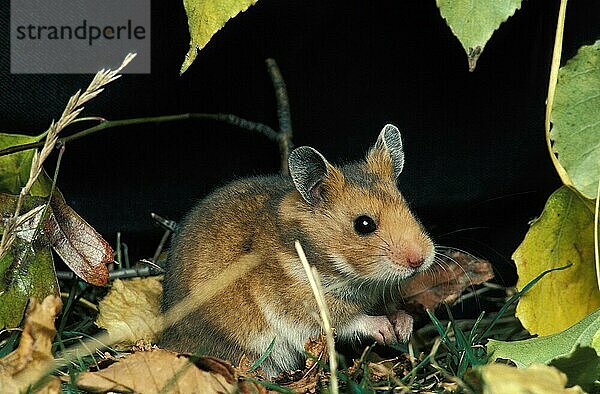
(245, 363)
(445, 281)
(153, 372)
(317, 348)
(308, 380)
(129, 310)
(31, 361)
(77, 243)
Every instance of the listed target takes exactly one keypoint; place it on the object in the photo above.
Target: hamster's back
(239, 219)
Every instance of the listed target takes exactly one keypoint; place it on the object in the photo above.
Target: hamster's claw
(403, 325)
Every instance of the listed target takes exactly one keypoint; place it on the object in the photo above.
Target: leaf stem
(560, 27)
(596, 251)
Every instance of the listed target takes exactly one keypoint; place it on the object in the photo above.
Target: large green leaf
(14, 168)
(474, 21)
(545, 349)
(572, 351)
(582, 367)
(563, 234)
(205, 18)
(26, 269)
(576, 119)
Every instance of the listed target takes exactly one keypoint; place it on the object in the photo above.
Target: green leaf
(474, 21)
(26, 269)
(205, 18)
(582, 367)
(576, 119)
(14, 168)
(545, 349)
(563, 234)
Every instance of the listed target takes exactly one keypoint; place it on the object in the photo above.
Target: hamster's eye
(364, 225)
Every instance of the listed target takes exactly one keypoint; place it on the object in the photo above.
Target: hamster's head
(355, 216)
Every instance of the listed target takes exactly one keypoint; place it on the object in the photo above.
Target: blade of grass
(263, 357)
(443, 334)
(472, 333)
(518, 295)
(315, 284)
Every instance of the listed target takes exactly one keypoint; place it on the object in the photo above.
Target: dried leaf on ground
(156, 371)
(31, 361)
(77, 243)
(445, 281)
(563, 234)
(307, 380)
(536, 379)
(129, 310)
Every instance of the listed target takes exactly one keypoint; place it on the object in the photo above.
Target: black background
(477, 166)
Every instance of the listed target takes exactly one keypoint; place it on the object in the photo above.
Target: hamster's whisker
(471, 284)
(382, 239)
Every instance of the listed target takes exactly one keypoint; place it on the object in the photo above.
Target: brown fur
(260, 218)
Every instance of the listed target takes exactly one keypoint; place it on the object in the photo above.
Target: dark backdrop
(477, 167)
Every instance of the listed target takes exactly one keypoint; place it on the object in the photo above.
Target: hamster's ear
(386, 157)
(308, 169)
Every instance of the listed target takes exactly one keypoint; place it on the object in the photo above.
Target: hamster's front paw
(382, 330)
(386, 330)
(403, 325)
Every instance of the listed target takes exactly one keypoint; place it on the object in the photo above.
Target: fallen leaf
(155, 371)
(205, 18)
(547, 348)
(446, 280)
(317, 349)
(576, 120)
(564, 233)
(129, 310)
(32, 359)
(474, 22)
(77, 243)
(307, 380)
(536, 379)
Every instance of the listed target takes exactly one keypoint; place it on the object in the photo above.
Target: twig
(108, 124)
(283, 114)
(169, 226)
(121, 273)
(283, 137)
(315, 285)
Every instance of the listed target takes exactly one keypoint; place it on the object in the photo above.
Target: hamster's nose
(414, 259)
